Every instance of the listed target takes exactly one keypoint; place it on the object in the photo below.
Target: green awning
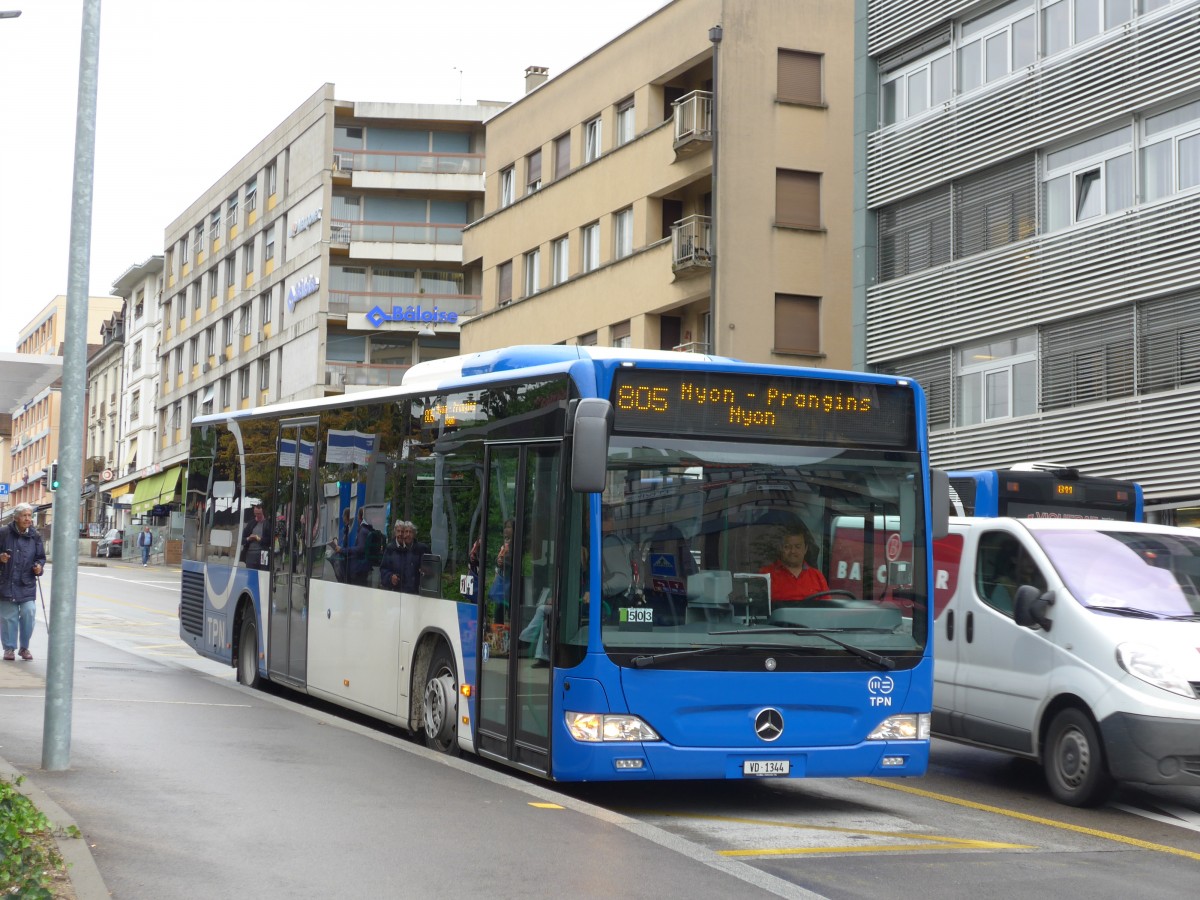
(156, 489)
(145, 495)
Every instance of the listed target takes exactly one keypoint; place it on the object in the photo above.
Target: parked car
(111, 544)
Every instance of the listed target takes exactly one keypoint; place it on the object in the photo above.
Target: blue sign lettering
(434, 316)
(305, 287)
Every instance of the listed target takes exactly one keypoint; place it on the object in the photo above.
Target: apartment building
(686, 185)
(1026, 219)
(140, 286)
(35, 417)
(105, 381)
(329, 259)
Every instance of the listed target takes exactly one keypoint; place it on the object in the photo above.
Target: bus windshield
(718, 555)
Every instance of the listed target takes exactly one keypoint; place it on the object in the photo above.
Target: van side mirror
(1030, 608)
(589, 446)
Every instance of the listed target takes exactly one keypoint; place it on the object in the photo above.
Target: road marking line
(1180, 820)
(547, 806)
(128, 700)
(1026, 817)
(925, 841)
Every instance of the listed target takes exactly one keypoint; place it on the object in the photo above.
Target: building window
(137, 356)
(231, 212)
(230, 271)
(226, 385)
(139, 307)
(914, 234)
(1000, 41)
(997, 379)
(533, 274)
(199, 239)
(507, 177)
(264, 373)
(251, 201)
(533, 172)
(798, 77)
(214, 287)
(995, 207)
(797, 324)
(269, 247)
(265, 308)
(181, 305)
(588, 340)
(248, 258)
(593, 132)
(195, 350)
(915, 88)
(1088, 179)
(244, 383)
(562, 156)
(135, 405)
(620, 335)
(1168, 351)
(625, 111)
(623, 234)
(247, 316)
(214, 224)
(1087, 359)
(194, 287)
(1170, 155)
(591, 246)
(272, 179)
(179, 360)
(797, 198)
(561, 251)
(504, 283)
(228, 321)
(210, 340)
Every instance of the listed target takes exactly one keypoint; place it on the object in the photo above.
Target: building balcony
(346, 162)
(693, 115)
(340, 377)
(342, 303)
(691, 245)
(409, 241)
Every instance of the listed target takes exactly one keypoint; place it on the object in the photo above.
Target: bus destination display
(799, 410)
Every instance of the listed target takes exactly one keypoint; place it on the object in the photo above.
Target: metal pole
(714, 34)
(60, 660)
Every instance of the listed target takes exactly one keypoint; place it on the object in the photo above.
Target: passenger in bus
(368, 548)
(256, 541)
(792, 578)
(341, 548)
(400, 568)
(502, 576)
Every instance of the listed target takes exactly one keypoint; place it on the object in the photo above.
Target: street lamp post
(714, 34)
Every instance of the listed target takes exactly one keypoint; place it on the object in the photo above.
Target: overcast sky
(185, 90)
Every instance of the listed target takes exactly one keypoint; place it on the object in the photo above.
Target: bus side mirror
(589, 447)
(1030, 607)
(939, 502)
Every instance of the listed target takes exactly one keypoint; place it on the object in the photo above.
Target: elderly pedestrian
(22, 559)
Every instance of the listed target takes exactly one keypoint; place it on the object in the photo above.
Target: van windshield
(1144, 572)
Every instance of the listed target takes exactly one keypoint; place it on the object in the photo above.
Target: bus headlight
(1149, 664)
(907, 727)
(595, 727)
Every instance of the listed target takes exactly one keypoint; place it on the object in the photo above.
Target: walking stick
(45, 615)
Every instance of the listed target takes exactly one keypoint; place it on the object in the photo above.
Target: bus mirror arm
(589, 446)
(939, 503)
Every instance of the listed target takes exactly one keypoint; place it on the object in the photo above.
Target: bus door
(517, 603)
(287, 654)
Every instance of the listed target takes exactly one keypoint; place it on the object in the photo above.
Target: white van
(1075, 643)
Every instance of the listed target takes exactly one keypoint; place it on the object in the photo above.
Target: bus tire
(247, 658)
(439, 718)
(1073, 760)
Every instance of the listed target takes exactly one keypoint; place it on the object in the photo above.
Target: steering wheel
(828, 592)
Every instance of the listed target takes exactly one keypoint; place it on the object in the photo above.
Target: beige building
(314, 265)
(601, 195)
(35, 418)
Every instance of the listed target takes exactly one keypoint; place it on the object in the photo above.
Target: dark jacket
(366, 553)
(405, 562)
(251, 550)
(17, 581)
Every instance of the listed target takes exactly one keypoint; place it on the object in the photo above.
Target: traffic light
(52, 477)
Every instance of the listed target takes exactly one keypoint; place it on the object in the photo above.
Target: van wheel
(247, 660)
(440, 714)
(1073, 760)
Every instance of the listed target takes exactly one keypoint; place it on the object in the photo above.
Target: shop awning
(155, 490)
(120, 490)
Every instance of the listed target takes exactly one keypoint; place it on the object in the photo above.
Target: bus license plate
(766, 767)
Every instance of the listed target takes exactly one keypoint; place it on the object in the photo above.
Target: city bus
(1044, 491)
(592, 600)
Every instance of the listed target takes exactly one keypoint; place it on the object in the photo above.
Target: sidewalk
(186, 785)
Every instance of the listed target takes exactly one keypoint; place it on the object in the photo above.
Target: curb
(81, 867)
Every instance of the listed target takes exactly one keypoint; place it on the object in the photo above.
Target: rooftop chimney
(535, 75)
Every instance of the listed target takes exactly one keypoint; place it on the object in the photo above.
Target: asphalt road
(979, 824)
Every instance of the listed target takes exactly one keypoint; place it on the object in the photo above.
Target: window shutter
(797, 323)
(1168, 342)
(933, 372)
(797, 198)
(995, 207)
(799, 77)
(1087, 359)
(562, 156)
(504, 287)
(534, 167)
(914, 234)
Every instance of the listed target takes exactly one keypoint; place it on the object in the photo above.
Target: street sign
(3, 488)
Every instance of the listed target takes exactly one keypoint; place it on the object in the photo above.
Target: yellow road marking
(1026, 817)
(924, 841)
(546, 805)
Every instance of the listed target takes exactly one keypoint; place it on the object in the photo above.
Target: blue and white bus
(1044, 491)
(594, 598)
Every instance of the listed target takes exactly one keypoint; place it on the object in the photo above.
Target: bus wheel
(1073, 759)
(247, 661)
(441, 703)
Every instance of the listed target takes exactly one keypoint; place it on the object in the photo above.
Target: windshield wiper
(642, 661)
(1129, 611)
(884, 662)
